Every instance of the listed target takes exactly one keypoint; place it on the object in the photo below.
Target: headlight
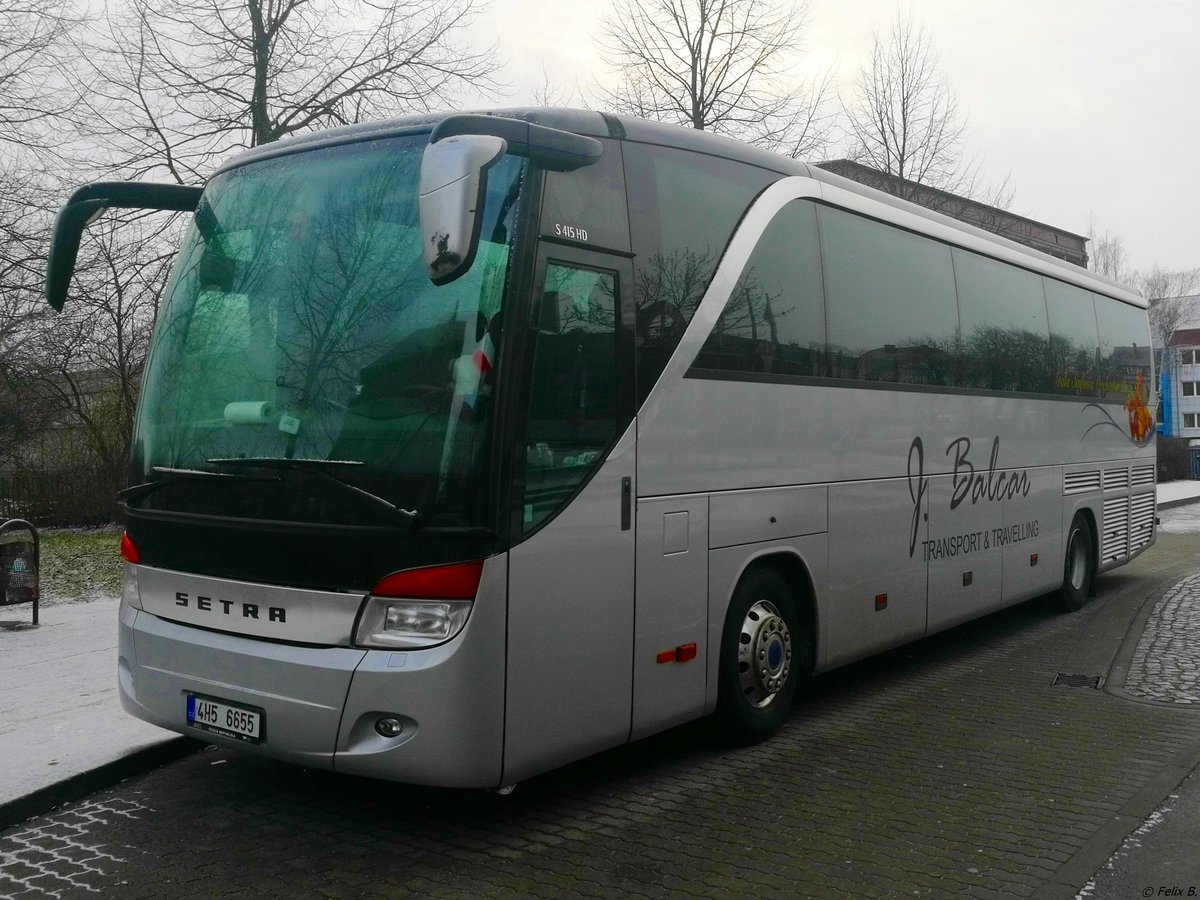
(130, 594)
(391, 623)
(419, 607)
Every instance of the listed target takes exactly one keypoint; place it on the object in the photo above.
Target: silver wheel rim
(1076, 561)
(764, 654)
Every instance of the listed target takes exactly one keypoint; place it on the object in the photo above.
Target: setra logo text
(247, 610)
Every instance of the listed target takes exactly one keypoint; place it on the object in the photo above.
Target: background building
(1179, 382)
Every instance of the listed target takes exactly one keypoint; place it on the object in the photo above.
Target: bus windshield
(299, 325)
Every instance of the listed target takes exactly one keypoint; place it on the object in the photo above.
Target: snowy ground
(59, 711)
(1180, 519)
(1178, 491)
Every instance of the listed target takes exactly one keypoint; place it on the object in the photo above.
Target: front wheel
(764, 654)
(1079, 566)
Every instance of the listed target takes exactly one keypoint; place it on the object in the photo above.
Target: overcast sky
(1090, 105)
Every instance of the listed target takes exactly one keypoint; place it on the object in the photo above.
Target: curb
(43, 800)
(1118, 671)
(1180, 501)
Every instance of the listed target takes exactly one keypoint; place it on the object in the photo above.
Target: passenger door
(571, 571)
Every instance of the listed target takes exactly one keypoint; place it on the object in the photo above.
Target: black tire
(1079, 566)
(762, 622)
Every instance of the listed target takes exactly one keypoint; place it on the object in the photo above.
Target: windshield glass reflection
(299, 324)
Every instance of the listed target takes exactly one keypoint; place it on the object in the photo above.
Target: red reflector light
(129, 552)
(880, 601)
(685, 652)
(1033, 559)
(665, 656)
(458, 581)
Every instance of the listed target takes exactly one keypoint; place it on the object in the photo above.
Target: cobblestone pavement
(61, 854)
(1166, 664)
(953, 767)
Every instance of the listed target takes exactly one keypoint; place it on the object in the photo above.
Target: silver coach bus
(472, 445)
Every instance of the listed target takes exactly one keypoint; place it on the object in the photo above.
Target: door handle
(626, 503)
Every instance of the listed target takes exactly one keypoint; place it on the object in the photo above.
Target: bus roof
(608, 125)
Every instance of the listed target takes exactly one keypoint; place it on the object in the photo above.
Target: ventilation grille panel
(1080, 482)
(1116, 479)
(1143, 475)
(1115, 529)
(1141, 521)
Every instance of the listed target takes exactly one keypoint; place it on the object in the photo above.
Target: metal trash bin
(19, 555)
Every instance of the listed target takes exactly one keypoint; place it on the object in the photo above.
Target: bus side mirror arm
(86, 205)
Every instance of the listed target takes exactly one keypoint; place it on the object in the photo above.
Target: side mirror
(452, 190)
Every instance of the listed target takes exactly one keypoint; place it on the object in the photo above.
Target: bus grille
(1141, 521)
(1116, 479)
(1143, 475)
(1080, 482)
(1116, 529)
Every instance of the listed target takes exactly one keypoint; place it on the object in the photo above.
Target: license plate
(242, 723)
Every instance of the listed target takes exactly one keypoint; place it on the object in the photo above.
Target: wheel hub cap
(764, 653)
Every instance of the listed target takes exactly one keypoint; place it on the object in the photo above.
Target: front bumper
(321, 703)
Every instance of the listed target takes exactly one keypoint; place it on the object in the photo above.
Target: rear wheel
(765, 651)
(1079, 566)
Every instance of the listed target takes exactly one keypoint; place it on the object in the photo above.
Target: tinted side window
(1005, 335)
(683, 208)
(1073, 339)
(774, 320)
(893, 315)
(1124, 351)
(573, 400)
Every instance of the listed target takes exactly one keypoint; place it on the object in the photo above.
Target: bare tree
(1106, 253)
(548, 93)
(19, 264)
(34, 98)
(1170, 293)
(1172, 298)
(716, 65)
(188, 81)
(32, 94)
(87, 361)
(904, 120)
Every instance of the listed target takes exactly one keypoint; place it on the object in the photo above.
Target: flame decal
(1140, 420)
(1141, 423)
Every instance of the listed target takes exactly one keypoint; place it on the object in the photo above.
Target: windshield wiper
(175, 476)
(320, 468)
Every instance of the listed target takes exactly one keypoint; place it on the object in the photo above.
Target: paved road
(1161, 858)
(953, 767)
